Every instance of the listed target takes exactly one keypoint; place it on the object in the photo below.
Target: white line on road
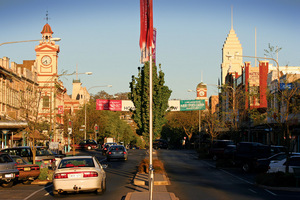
(37, 192)
(270, 192)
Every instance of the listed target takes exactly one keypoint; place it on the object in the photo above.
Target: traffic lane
(119, 179)
(194, 179)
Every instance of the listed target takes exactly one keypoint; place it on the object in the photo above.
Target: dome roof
(47, 29)
(201, 85)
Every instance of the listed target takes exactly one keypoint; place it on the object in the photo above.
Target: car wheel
(89, 147)
(215, 157)
(246, 167)
(7, 184)
(27, 182)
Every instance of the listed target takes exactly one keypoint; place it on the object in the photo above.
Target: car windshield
(76, 162)
(43, 152)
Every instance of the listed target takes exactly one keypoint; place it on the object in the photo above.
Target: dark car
(106, 147)
(88, 144)
(218, 147)
(27, 172)
(44, 157)
(117, 152)
(247, 154)
(8, 170)
(160, 144)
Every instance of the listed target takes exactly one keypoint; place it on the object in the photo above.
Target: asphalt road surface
(194, 179)
(119, 181)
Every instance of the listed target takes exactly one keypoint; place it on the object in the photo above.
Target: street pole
(151, 174)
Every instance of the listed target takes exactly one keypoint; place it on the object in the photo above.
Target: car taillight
(20, 168)
(60, 175)
(90, 174)
(105, 149)
(53, 160)
(35, 168)
(109, 153)
(15, 164)
(124, 152)
(38, 160)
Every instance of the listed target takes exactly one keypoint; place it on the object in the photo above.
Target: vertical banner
(154, 46)
(60, 109)
(146, 34)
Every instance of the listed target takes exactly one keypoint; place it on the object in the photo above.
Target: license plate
(9, 175)
(26, 169)
(74, 175)
(46, 161)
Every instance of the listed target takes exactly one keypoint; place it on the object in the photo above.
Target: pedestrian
(60, 148)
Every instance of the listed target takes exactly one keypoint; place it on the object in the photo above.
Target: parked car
(279, 166)
(8, 171)
(277, 149)
(217, 148)
(263, 163)
(247, 153)
(88, 144)
(160, 144)
(106, 147)
(44, 157)
(117, 152)
(27, 172)
(79, 173)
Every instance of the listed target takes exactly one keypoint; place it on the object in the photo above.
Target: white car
(279, 165)
(79, 173)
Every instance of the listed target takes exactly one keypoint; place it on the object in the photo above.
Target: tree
(139, 95)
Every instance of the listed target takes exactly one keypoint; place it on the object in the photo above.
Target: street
(191, 179)
(194, 179)
(119, 177)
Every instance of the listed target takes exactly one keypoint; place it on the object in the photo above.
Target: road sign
(187, 105)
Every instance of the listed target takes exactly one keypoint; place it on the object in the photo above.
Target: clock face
(46, 60)
(201, 93)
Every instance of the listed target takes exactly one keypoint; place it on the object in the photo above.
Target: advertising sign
(60, 109)
(105, 104)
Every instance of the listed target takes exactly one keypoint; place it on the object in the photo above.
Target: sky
(102, 36)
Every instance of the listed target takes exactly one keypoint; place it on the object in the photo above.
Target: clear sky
(102, 36)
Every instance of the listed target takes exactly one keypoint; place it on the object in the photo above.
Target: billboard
(187, 105)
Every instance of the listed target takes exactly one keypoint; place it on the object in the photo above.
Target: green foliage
(43, 174)
(140, 97)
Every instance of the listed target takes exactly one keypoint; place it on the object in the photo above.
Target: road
(194, 179)
(119, 177)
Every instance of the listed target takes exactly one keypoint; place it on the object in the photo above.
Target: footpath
(159, 187)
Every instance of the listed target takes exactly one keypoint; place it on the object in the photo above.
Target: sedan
(117, 152)
(27, 172)
(279, 166)
(79, 173)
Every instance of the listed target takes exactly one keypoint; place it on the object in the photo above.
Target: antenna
(255, 49)
(231, 17)
(76, 71)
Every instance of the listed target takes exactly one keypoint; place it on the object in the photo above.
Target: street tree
(139, 95)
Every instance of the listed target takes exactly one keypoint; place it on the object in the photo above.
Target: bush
(278, 179)
(45, 174)
(157, 166)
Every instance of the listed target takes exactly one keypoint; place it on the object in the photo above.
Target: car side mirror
(104, 166)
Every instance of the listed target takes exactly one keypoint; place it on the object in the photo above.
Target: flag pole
(151, 175)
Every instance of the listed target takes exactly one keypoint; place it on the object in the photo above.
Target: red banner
(146, 35)
(60, 109)
(112, 105)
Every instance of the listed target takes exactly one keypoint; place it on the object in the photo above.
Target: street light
(52, 39)
(85, 106)
(189, 90)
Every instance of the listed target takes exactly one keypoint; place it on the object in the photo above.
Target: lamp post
(85, 105)
(54, 98)
(189, 90)
(52, 39)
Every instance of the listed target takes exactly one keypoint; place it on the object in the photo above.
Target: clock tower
(46, 62)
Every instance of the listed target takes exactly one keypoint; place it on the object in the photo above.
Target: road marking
(270, 192)
(252, 191)
(37, 192)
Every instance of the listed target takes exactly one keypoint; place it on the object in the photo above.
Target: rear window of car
(5, 159)
(77, 162)
(116, 148)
